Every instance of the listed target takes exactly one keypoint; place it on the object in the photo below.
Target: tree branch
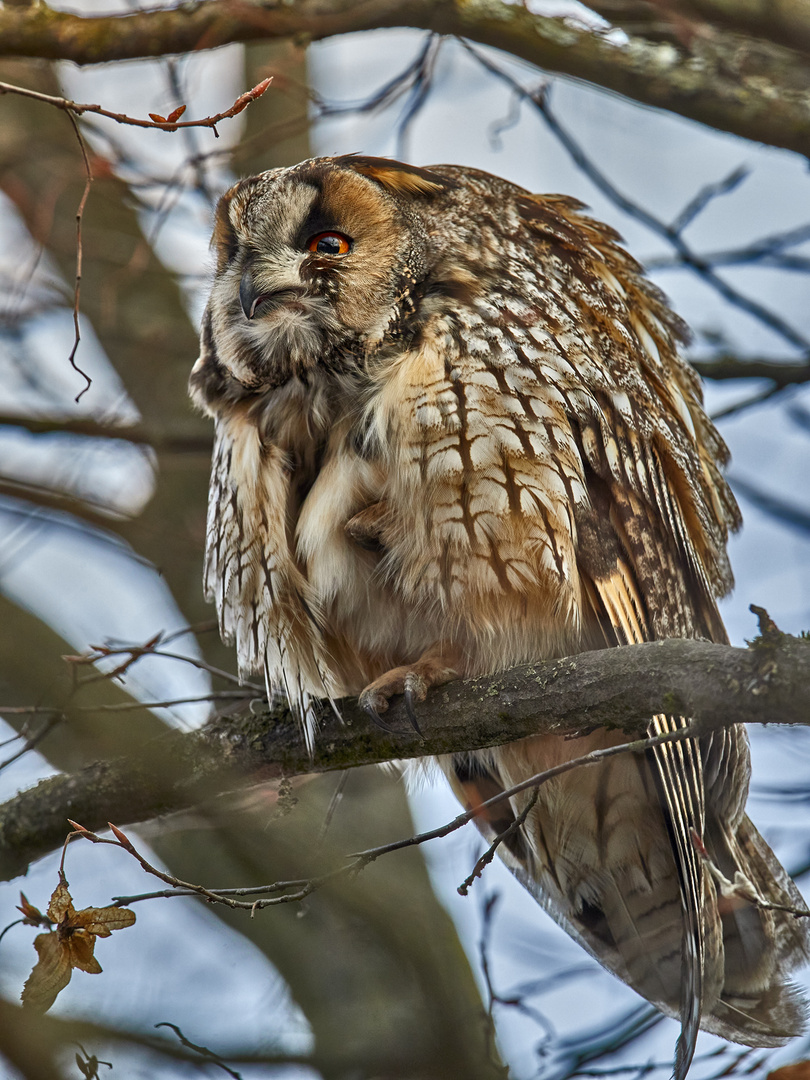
(164, 442)
(782, 21)
(76, 108)
(781, 372)
(620, 688)
(756, 89)
(96, 513)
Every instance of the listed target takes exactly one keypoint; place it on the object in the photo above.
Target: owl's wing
(560, 456)
(612, 593)
(650, 541)
(640, 555)
(651, 531)
(264, 603)
(651, 535)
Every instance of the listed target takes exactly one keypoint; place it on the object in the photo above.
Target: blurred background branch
(752, 86)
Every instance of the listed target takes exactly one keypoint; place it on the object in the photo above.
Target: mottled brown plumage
(454, 434)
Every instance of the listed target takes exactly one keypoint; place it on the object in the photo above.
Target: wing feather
(679, 773)
(264, 603)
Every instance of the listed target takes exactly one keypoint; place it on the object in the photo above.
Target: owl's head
(316, 264)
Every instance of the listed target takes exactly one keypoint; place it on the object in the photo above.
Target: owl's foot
(438, 665)
(366, 527)
(402, 680)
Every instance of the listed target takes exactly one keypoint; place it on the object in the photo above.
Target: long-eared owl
(454, 434)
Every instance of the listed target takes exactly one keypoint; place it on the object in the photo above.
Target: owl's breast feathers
(492, 453)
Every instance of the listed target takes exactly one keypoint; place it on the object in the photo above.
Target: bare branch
(133, 653)
(706, 195)
(485, 859)
(753, 88)
(52, 1036)
(361, 859)
(74, 108)
(672, 234)
(77, 285)
(748, 403)
(781, 21)
(97, 429)
(130, 706)
(781, 372)
(620, 688)
(203, 1051)
(780, 375)
(769, 250)
(779, 509)
(96, 513)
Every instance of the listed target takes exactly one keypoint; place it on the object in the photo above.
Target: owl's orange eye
(329, 243)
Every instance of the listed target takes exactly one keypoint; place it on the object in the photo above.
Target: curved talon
(410, 698)
(369, 709)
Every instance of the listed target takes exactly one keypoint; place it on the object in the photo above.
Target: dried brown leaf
(70, 945)
(80, 947)
(60, 906)
(51, 973)
(102, 921)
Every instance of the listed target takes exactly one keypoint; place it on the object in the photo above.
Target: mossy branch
(716, 685)
(757, 89)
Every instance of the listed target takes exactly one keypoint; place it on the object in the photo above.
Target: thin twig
(165, 894)
(755, 399)
(137, 652)
(489, 854)
(32, 741)
(88, 180)
(670, 233)
(767, 247)
(202, 1050)
(778, 508)
(707, 193)
(129, 706)
(359, 860)
(189, 888)
(5, 930)
(75, 108)
(515, 1000)
(726, 366)
(164, 443)
(172, 123)
(334, 802)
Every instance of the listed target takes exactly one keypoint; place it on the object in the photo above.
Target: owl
(453, 435)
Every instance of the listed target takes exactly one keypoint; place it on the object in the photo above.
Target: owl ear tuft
(396, 177)
(224, 240)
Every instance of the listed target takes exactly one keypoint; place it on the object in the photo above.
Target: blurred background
(103, 486)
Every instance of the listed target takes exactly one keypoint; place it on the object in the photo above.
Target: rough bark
(784, 21)
(734, 82)
(716, 685)
(783, 373)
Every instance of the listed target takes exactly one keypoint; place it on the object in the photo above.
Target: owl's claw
(412, 695)
(412, 682)
(370, 710)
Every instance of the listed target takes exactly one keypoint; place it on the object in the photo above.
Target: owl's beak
(249, 296)
(251, 299)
